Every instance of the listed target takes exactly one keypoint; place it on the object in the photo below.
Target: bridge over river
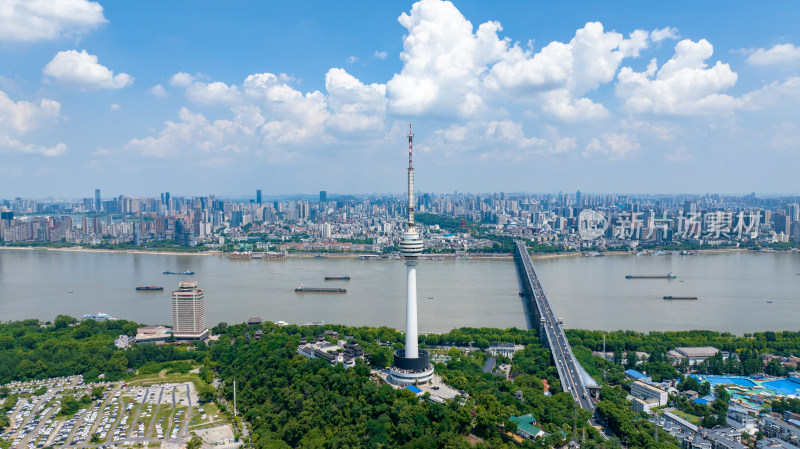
(573, 377)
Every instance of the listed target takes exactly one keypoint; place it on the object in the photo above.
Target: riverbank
(343, 255)
(120, 251)
(293, 255)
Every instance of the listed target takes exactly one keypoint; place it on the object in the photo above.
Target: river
(587, 292)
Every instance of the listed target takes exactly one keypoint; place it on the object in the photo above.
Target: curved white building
(411, 365)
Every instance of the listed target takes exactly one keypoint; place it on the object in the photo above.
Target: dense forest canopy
(291, 401)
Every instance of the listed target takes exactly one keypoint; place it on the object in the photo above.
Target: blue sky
(212, 97)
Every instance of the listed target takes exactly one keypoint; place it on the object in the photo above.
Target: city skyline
(520, 97)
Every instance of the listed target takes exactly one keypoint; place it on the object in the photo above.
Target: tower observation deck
(411, 365)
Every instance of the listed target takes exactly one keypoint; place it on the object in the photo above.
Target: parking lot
(113, 414)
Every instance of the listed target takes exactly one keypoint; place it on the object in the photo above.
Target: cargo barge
(149, 288)
(337, 278)
(669, 275)
(179, 272)
(680, 297)
(303, 289)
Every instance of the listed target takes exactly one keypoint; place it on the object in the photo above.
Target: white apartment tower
(188, 312)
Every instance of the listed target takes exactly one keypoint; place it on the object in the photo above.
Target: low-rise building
(527, 427)
(695, 354)
(775, 428)
(636, 375)
(124, 341)
(773, 443)
(644, 405)
(739, 417)
(152, 334)
(345, 354)
(504, 349)
(724, 438)
(646, 392)
(488, 367)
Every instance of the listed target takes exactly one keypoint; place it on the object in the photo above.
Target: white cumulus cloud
(663, 33)
(181, 79)
(37, 20)
(778, 54)
(158, 91)
(356, 106)
(442, 61)
(511, 133)
(81, 69)
(482, 90)
(9, 145)
(684, 85)
(21, 117)
(215, 93)
(616, 146)
(193, 134)
(775, 94)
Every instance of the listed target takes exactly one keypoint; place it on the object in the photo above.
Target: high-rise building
(237, 218)
(323, 196)
(98, 204)
(136, 230)
(411, 364)
(188, 312)
(781, 223)
(258, 197)
(183, 233)
(793, 211)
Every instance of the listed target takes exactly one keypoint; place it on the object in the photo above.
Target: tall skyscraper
(136, 230)
(183, 233)
(258, 197)
(188, 312)
(411, 365)
(793, 211)
(323, 196)
(98, 204)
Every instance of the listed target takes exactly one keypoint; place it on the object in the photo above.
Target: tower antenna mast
(411, 201)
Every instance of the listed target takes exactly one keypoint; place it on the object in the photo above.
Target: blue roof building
(636, 375)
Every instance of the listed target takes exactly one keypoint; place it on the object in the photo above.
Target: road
(564, 359)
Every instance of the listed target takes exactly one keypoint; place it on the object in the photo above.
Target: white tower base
(405, 378)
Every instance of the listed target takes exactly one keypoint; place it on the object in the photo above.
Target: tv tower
(411, 365)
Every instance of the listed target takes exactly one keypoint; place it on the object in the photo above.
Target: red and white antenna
(410, 179)
(410, 144)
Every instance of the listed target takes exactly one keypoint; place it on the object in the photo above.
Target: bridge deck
(552, 333)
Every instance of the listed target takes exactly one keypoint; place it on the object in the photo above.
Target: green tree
(97, 392)
(194, 443)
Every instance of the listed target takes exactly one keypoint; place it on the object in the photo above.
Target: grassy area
(146, 417)
(210, 409)
(689, 417)
(164, 415)
(163, 378)
(180, 417)
(196, 418)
